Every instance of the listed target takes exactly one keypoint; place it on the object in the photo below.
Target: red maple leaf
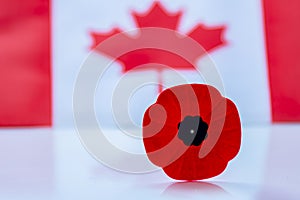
(157, 17)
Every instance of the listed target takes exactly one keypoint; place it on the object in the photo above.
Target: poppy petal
(164, 143)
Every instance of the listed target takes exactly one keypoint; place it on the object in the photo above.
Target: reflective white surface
(52, 164)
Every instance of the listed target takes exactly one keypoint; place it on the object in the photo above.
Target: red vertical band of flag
(25, 81)
(282, 28)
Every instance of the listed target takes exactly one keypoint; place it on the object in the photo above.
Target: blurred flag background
(253, 44)
(44, 42)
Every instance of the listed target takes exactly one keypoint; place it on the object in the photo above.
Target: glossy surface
(52, 164)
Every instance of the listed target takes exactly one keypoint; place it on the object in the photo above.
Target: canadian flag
(253, 44)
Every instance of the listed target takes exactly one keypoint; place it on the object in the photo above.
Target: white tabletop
(52, 164)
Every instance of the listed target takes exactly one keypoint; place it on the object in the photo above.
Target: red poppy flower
(192, 132)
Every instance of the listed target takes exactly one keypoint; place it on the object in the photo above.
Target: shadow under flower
(195, 188)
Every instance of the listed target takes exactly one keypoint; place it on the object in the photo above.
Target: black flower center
(192, 130)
